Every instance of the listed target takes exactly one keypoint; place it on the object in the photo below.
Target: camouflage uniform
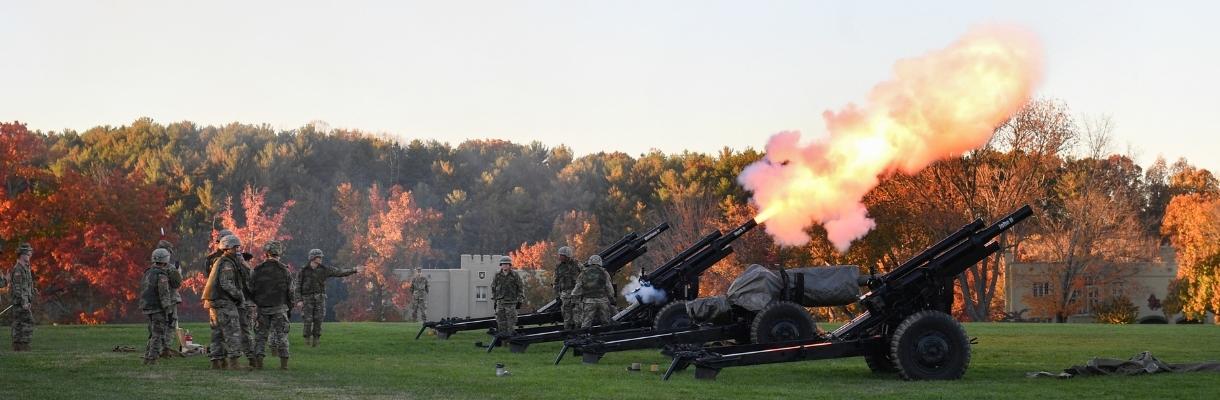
(171, 314)
(155, 300)
(595, 292)
(508, 291)
(419, 296)
(273, 287)
(22, 293)
(311, 287)
(247, 313)
(565, 280)
(222, 297)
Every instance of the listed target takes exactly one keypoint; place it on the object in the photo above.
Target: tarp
(754, 289)
(834, 285)
(707, 308)
(759, 287)
(1141, 364)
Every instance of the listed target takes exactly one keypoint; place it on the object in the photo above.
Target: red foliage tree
(92, 232)
(259, 223)
(381, 232)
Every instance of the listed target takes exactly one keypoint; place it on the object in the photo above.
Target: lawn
(371, 360)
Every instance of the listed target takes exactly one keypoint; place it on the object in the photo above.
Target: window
(480, 293)
(1042, 289)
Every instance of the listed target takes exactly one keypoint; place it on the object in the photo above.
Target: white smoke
(636, 292)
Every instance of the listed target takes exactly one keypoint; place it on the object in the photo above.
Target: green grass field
(370, 360)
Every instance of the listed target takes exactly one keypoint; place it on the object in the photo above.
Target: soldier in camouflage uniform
(156, 299)
(174, 272)
(222, 297)
(22, 293)
(419, 296)
(594, 291)
(508, 291)
(272, 285)
(311, 289)
(565, 280)
(248, 313)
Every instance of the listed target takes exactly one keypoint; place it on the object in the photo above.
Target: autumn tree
(258, 223)
(1192, 224)
(536, 262)
(382, 232)
(1087, 229)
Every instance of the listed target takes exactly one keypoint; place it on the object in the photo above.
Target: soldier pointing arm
(311, 285)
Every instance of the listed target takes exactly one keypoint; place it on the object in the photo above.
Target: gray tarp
(834, 285)
(1142, 364)
(754, 289)
(707, 308)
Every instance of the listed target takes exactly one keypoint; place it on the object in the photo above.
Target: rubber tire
(673, 315)
(880, 362)
(761, 330)
(944, 335)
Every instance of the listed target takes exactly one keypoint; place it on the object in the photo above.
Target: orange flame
(938, 105)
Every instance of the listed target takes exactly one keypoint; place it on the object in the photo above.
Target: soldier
(594, 291)
(22, 292)
(419, 296)
(174, 272)
(156, 299)
(507, 291)
(222, 297)
(247, 314)
(565, 280)
(311, 287)
(215, 246)
(273, 292)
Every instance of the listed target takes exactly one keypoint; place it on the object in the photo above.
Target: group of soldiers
(248, 307)
(586, 294)
(21, 293)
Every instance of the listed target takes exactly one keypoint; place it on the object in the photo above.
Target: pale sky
(611, 75)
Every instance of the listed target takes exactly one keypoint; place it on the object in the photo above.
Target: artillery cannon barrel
(685, 254)
(704, 259)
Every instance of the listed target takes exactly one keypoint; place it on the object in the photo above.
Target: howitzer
(614, 257)
(906, 328)
(678, 278)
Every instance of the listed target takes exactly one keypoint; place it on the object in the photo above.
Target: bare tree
(1089, 228)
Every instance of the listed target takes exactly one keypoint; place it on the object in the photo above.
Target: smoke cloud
(936, 106)
(635, 292)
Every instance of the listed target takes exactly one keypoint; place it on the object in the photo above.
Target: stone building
(1145, 283)
(461, 292)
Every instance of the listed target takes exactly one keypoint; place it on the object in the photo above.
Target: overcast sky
(610, 75)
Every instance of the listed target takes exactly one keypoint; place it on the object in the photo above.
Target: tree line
(95, 202)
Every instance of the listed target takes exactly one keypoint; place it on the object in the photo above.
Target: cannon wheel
(673, 315)
(782, 321)
(880, 362)
(930, 345)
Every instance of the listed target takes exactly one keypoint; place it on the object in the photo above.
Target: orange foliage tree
(259, 224)
(1192, 224)
(382, 232)
(537, 260)
(93, 232)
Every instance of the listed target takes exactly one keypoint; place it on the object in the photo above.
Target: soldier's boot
(283, 362)
(317, 340)
(150, 361)
(216, 364)
(235, 364)
(252, 361)
(16, 346)
(224, 364)
(166, 354)
(258, 363)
